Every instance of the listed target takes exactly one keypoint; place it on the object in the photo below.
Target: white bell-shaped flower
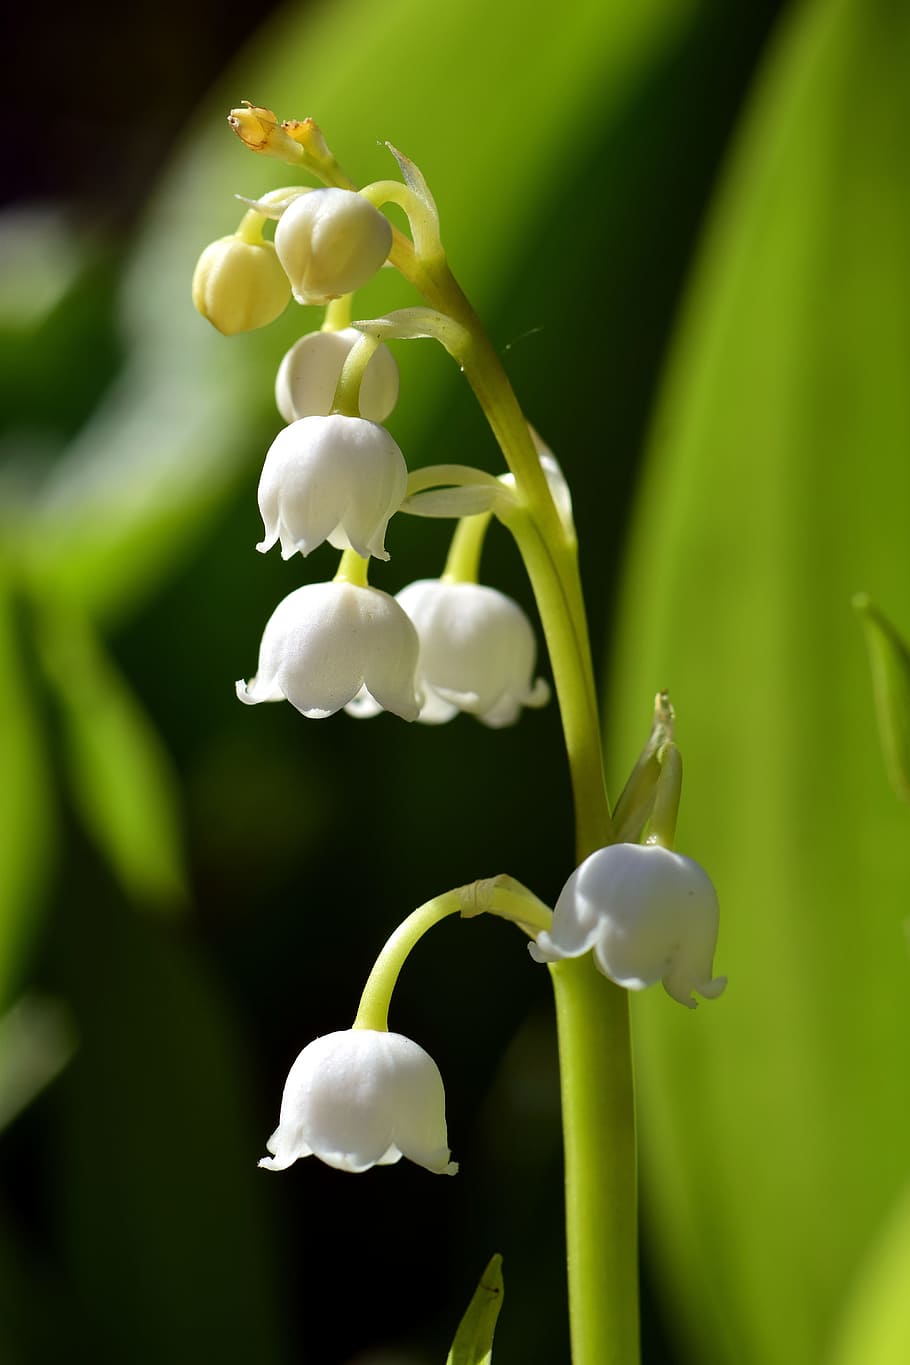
(331, 478)
(309, 373)
(649, 914)
(477, 654)
(327, 641)
(331, 242)
(361, 1098)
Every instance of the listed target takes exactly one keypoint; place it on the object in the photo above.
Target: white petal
(325, 641)
(360, 1098)
(649, 914)
(309, 373)
(330, 242)
(332, 478)
(477, 650)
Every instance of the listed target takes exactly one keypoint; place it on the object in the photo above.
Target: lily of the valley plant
(633, 912)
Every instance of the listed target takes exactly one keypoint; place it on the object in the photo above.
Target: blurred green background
(686, 225)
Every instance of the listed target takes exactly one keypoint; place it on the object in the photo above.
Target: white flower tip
(540, 951)
(243, 692)
(539, 694)
(684, 992)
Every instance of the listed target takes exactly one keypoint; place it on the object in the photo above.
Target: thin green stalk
(592, 1015)
(463, 560)
(373, 1010)
(592, 1018)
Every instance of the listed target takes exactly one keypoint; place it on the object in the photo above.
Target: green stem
(592, 1017)
(463, 560)
(501, 896)
(353, 569)
(338, 314)
(373, 1010)
(574, 679)
(592, 1014)
(347, 391)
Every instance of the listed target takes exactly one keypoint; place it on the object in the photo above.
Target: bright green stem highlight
(592, 1017)
(463, 561)
(451, 475)
(338, 314)
(501, 896)
(353, 569)
(373, 1010)
(249, 229)
(347, 392)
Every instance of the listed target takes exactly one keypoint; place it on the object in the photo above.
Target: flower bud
(331, 242)
(326, 641)
(240, 285)
(258, 128)
(332, 478)
(360, 1098)
(477, 654)
(649, 914)
(309, 373)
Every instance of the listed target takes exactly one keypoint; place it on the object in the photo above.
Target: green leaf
(875, 1327)
(121, 775)
(889, 661)
(775, 1124)
(27, 818)
(150, 1158)
(36, 1042)
(473, 1344)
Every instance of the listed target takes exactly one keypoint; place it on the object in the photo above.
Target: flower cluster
(335, 475)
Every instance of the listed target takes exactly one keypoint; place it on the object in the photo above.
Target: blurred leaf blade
(36, 1042)
(875, 1329)
(776, 1124)
(122, 779)
(889, 663)
(162, 1210)
(27, 817)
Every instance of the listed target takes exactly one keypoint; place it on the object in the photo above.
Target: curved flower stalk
(330, 242)
(360, 1098)
(477, 654)
(649, 915)
(327, 641)
(309, 373)
(332, 478)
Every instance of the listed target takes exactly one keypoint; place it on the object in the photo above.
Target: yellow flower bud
(258, 128)
(240, 285)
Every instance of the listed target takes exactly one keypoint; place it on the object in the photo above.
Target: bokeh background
(686, 225)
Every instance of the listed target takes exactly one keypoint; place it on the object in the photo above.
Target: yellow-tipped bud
(258, 128)
(309, 135)
(240, 285)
